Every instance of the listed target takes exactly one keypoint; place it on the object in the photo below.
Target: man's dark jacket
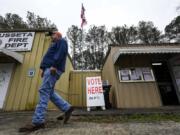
(56, 56)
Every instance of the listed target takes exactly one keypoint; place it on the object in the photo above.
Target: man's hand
(53, 70)
(42, 73)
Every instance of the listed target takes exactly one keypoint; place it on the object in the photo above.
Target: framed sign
(16, 41)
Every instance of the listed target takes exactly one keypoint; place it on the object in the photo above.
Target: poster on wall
(136, 74)
(124, 74)
(94, 92)
(147, 74)
(16, 41)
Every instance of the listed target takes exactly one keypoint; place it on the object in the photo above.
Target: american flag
(83, 18)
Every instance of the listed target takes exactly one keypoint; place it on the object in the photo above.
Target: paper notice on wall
(124, 75)
(147, 74)
(136, 74)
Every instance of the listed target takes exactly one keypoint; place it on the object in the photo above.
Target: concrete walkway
(10, 122)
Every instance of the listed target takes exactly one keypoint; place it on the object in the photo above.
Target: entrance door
(5, 76)
(165, 84)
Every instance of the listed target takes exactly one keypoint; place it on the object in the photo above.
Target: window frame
(142, 75)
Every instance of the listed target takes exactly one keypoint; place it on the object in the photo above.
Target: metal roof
(144, 50)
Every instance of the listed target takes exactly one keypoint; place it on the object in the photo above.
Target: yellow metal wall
(108, 73)
(138, 95)
(23, 90)
(131, 95)
(77, 90)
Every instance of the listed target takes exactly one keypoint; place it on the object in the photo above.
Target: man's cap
(57, 33)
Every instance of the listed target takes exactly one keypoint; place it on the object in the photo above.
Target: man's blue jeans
(46, 93)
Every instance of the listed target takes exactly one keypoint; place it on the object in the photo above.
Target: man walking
(52, 66)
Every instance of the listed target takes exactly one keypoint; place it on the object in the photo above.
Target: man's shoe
(61, 117)
(68, 114)
(31, 127)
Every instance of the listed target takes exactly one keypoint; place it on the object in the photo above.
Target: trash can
(106, 90)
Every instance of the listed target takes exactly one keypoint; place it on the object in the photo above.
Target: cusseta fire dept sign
(16, 41)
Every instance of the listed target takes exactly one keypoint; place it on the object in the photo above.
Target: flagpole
(82, 48)
(82, 24)
(82, 80)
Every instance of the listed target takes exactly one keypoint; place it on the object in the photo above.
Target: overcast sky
(65, 13)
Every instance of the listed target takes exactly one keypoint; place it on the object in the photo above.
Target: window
(139, 74)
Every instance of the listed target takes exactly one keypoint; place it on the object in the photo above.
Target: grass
(131, 118)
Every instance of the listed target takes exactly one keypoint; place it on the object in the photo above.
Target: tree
(96, 40)
(3, 24)
(148, 33)
(172, 30)
(122, 35)
(133, 34)
(74, 34)
(12, 21)
(37, 22)
(88, 49)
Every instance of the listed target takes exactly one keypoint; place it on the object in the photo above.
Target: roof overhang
(148, 50)
(16, 56)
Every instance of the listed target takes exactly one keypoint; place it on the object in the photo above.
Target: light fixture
(157, 64)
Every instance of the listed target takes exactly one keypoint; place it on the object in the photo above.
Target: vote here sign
(94, 92)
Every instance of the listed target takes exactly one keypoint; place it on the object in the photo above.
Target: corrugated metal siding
(131, 95)
(108, 73)
(23, 90)
(138, 95)
(77, 90)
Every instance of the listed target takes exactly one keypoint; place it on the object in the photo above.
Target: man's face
(54, 37)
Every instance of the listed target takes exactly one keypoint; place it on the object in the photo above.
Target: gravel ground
(78, 128)
(9, 125)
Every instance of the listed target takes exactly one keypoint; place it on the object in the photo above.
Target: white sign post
(16, 41)
(94, 92)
